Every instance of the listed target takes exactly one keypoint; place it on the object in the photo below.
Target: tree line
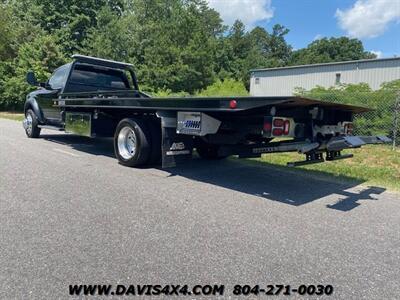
(175, 45)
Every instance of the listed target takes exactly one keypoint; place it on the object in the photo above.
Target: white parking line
(65, 152)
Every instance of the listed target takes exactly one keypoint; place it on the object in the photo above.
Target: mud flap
(175, 148)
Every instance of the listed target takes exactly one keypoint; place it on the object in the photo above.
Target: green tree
(227, 87)
(7, 34)
(255, 49)
(173, 43)
(41, 56)
(330, 50)
(111, 38)
(68, 20)
(278, 47)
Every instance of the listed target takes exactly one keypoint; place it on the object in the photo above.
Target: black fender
(31, 103)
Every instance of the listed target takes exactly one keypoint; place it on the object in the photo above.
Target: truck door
(48, 96)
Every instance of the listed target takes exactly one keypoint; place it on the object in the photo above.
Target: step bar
(51, 127)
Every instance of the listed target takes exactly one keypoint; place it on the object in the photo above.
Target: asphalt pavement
(70, 214)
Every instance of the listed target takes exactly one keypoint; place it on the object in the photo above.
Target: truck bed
(140, 101)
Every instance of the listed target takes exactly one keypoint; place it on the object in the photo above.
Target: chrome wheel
(127, 142)
(28, 124)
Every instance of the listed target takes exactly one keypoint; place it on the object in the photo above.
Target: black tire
(155, 130)
(32, 130)
(138, 130)
(208, 151)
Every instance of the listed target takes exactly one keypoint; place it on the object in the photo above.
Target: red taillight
(277, 131)
(286, 127)
(277, 126)
(232, 104)
(278, 122)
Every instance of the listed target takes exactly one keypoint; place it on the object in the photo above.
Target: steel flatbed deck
(124, 99)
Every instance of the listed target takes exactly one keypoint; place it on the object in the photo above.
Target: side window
(57, 80)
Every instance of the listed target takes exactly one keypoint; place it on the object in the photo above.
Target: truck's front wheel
(30, 124)
(132, 142)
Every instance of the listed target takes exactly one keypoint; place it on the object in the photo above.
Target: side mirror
(31, 78)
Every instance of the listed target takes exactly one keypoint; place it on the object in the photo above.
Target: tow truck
(97, 97)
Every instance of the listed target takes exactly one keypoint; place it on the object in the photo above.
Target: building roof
(327, 64)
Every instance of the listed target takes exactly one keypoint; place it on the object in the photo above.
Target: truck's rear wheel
(132, 142)
(31, 124)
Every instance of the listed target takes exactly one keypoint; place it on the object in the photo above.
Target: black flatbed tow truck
(97, 97)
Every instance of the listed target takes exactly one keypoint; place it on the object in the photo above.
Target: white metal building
(283, 81)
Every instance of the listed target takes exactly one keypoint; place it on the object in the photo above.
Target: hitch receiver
(311, 158)
(316, 157)
(335, 155)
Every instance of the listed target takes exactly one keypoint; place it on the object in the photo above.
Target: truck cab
(81, 75)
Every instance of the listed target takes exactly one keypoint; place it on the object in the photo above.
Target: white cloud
(248, 11)
(368, 18)
(378, 54)
(318, 37)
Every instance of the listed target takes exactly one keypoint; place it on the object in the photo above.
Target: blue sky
(375, 22)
